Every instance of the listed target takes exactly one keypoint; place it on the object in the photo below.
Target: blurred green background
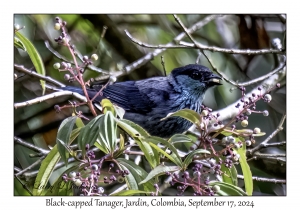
(38, 123)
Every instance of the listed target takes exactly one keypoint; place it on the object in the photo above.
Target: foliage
(107, 151)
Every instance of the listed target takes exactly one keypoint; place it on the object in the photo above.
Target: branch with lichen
(263, 179)
(148, 57)
(197, 45)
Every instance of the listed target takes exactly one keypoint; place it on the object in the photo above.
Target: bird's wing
(137, 97)
(128, 96)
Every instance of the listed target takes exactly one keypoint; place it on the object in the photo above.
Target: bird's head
(193, 78)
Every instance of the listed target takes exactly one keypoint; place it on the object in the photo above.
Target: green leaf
(245, 169)
(174, 157)
(108, 106)
(180, 138)
(107, 131)
(79, 123)
(228, 189)
(230, 175)
(34, 56)
(139, 134)
(63, 135)
(61, 188)
(187, 114)
(135, 176)
(259, 134)
(121, 147)
(160, 170)
(190, 157)
(89, 134)
(134, 130)
(151, 155)
(119, 111)
(45, 171)
(129, 192)
(100, 146)
(19, 44)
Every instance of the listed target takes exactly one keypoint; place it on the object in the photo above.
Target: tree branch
(37, 75)
(197, 45)
(262, 179)
(31, 166)
(231, 111)
(150, 56)
(264, 144)
(30, 146)
(49, 96)
(61, 57)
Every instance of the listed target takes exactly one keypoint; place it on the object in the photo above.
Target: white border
(8, 8)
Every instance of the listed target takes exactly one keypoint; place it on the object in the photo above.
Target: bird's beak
(214, 79)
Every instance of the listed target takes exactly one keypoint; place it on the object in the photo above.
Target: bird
(146, 102)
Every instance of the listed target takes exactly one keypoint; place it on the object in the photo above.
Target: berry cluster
(199, 182)
(64, 39)
(90, 181)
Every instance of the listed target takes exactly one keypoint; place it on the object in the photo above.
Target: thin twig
(264, 143)
(57, 166)
(197, 45)
(24, 185)
(266, 76)
(16, 169)
(275, 144)
(198, 57)
(31, 166)
(123, 187)
(100, 91)
(61, 57)
(277, 159)
(128, 152)
(231, 111)
(79, 77)
(37, 75)
(101, 40)
(262, 179)
(163, 65)
(30, 146)
(127, 69)
(262, 155)
(47, 97)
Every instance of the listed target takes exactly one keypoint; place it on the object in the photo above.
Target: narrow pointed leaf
(89, 134)
(19, 44)
(149, 153)
(34, 56)
(245, 169)
(63, 135)
(160, 170)
(107, 131)
(108, 106)
(129, 192)
(190, 157)
(61, 188)
(187, 114)
(228, 189)
(157, 140)
(79, 123)
(45, 171)
(230, 174)
(136, 175)
(180, 138)
(139, 134)
(134, 130)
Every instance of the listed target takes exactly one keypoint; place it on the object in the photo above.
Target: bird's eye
(196, 75)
